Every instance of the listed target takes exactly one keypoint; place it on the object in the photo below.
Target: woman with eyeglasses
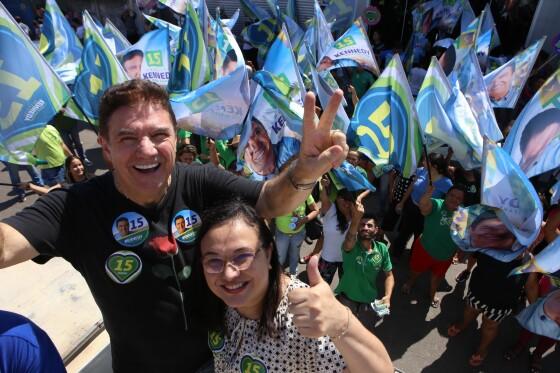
(262, 320)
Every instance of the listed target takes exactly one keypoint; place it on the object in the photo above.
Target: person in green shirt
(290, 232)
(363, 260)
(51, 149)
(435, 248)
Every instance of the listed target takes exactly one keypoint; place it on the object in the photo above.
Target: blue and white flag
(281, 62)
(253, 11)
(555, 194)
(111, 32)
(351, 179)
(30, 92)
(322, 37)
(472, 85)
(534, 139)
(489, 24)
(446, 118)
(447, 14)
(505, 84)
(324, 91)
(479, 228)
(174, 30)
(386, 123)
(148, 59)
(179, 6)
(467, 16)
(342, 13)
(98, 70)
(59, 44)
(537, 320)
(212, 110)
(351, 49)
(506, 188)
(546, 262)
(267, 141)
(228, 54)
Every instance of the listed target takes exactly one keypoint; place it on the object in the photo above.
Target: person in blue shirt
(25, 347)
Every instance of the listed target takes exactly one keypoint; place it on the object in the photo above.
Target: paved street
(414, 333)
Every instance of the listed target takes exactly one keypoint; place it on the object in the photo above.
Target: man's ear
(105, 151)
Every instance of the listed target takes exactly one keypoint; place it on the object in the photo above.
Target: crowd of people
(193, 260)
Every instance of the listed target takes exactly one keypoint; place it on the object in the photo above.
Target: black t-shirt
(131, 280)
(490, 282)
(472, 191)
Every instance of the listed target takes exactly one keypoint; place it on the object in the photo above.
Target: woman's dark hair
(538, 124)
(211, 308)
(439, 163)
(346, 195)
(67, 172)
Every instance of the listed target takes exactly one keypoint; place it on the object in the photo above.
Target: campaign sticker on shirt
(253, 365)
(216, 341)
(123, 266)
(130, 229)
(185, 226)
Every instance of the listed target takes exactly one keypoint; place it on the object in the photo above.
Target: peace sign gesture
(321, 147)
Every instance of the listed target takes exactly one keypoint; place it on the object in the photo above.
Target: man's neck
(366, 244)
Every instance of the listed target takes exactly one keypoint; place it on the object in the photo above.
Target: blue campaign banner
(30, 92)
(538, 317)
(352, 179)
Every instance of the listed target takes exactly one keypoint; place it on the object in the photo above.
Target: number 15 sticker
(185, 226)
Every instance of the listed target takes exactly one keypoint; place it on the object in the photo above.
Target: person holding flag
(147, 311)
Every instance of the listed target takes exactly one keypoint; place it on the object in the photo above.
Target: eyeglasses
(239, 262)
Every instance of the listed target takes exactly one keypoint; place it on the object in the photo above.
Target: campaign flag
(254, 11)
(58, 42)
(30, 92)
(506, 188)
(534, 139)
(148, 59)
(261, 35)
(99, 69)
(350, 178)
(505, 84)
(467, 16)
(228, 54)
(489, 24)
(296, 33)
(351, 49)
(180, 6)
(446, 118)
(483, 48)
(71, 110)
(267, 140)
(281, 62)
(318, 35)
(191, 66)
(467, 38)
(231, 22)
(422, 15)
(470, 80)
(174, 30)
(536, 317)
(217, 109)
(547, 261)
(324, 91)
(385, 121)
(447, 14)
(343, 13)
(111, 32)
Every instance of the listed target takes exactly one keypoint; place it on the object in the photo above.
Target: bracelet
(346, 328)
(298, 186)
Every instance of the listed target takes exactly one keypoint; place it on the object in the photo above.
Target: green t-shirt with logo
(49, 148)
(436, 237)
(283, 222)
(361, 268)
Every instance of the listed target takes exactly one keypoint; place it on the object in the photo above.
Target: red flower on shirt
(164, 245)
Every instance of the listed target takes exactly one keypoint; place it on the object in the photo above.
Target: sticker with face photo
(185, 226)
(130, 229)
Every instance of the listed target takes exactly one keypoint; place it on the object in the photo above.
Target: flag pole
(427, 162)
(85, 115)
(404, 20)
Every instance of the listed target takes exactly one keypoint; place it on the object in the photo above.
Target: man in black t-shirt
(141, 282)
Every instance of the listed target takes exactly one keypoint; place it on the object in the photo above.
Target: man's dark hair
(178, 218)
(133, 53)
(187, 148)
(122, 219)
(132, 93)
(370, 216)
(212, 309)
(459, 187)
(538, 124)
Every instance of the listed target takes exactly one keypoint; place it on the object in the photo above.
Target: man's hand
(321, 148)
(387, 300)
(316, 311)
(357, 209)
